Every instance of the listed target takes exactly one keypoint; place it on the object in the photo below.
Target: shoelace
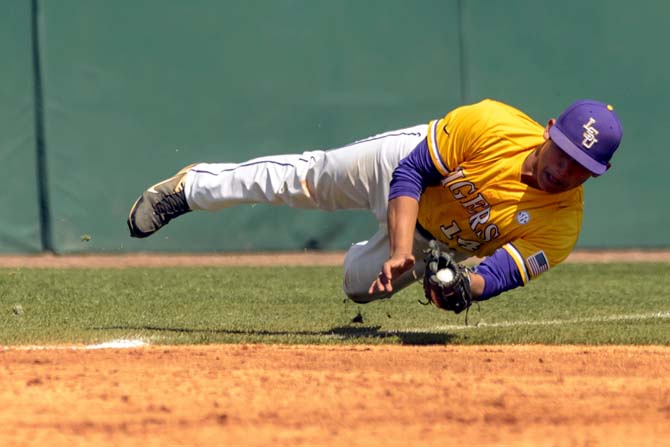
(171, 205)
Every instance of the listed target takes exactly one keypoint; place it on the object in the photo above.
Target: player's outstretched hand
(394, 267)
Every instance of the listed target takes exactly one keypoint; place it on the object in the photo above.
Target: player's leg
(356, 176)
(275, 180)
(360, 175)
(363, 262)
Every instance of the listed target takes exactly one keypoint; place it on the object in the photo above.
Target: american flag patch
(538, 263)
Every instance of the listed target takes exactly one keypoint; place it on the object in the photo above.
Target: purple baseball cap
(589, 131)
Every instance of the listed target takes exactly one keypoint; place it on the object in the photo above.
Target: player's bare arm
(401, 223)
(402, 214)
(477, 283)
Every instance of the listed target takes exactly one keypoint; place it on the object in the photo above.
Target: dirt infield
(261, 395)
(266, 395)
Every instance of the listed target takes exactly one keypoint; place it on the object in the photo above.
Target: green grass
(574, 303)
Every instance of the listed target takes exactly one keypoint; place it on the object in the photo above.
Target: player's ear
(549, 125)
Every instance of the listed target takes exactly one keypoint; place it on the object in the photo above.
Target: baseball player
(484, 181)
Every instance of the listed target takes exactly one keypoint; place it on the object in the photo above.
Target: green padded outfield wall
(135, 89)
(20, 219)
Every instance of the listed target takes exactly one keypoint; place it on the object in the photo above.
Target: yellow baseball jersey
(481, 204)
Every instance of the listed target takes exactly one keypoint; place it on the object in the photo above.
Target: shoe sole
(134, 231)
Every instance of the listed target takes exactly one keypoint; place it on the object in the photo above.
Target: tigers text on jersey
(481, 204)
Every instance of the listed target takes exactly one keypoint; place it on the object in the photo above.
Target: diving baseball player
(485, 180)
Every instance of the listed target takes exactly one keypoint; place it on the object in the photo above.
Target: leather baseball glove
(446, 284)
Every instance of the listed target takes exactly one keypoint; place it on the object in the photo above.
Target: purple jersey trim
(414, 173)
(500, 274)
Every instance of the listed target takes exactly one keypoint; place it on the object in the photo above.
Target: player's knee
(360, 295)
(357, 279)
(365, 298)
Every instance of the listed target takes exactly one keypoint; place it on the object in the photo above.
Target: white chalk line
(118, 344)
(138, 343)
(663, 315)
(113, 344)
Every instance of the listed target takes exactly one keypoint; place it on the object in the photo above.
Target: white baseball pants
(356, 176)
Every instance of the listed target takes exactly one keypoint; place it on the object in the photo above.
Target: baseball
(445, 275)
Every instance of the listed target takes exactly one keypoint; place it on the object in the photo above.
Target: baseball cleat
(158, 205)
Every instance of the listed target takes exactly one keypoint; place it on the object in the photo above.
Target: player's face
(557, 171)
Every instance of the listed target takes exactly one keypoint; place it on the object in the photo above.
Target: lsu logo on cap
(590, 134)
